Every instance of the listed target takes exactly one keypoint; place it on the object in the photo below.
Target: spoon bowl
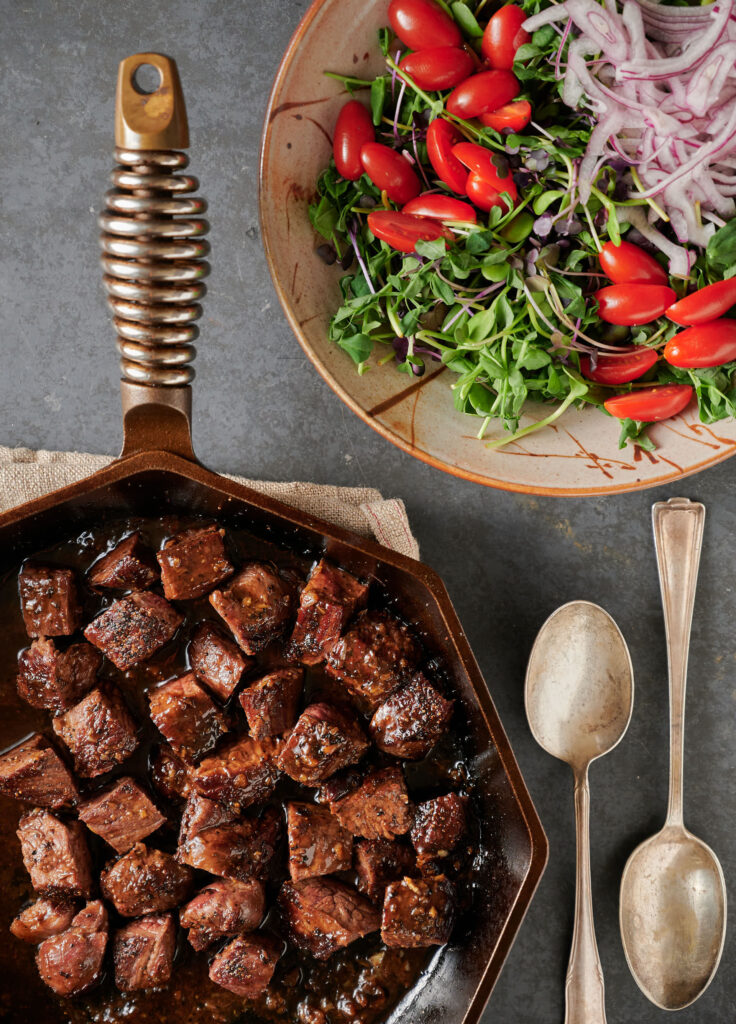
(673, 916)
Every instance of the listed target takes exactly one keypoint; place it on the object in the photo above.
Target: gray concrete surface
(261, 410)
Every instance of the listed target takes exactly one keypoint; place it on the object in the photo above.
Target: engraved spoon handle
(678, 539)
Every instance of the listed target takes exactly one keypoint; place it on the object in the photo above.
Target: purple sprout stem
(361, 263)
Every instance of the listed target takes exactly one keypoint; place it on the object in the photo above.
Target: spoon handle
(584, 991)
(678, 538)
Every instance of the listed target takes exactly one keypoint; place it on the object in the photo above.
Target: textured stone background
(262, 410)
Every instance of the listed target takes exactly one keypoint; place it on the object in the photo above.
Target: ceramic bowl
(579, 455)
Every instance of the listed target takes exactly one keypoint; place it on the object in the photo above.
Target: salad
(540, 197)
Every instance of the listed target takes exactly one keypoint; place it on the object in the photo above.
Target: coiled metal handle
(152, 245)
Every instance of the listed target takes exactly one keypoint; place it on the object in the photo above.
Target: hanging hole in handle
(146, 79)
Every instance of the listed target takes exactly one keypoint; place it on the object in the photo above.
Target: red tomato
(488, 90)
(488, 165)
(515, 116)
(441, 137)
(628, 264)
(483, 194)
(503, 36)
(619, 369)
(353, 129)
(403, 231)
(441, 207)
(705, 345)
(705, 304)
(650, 404)
(390, 171)
(631, 304)
(422, 24)
(442, 67)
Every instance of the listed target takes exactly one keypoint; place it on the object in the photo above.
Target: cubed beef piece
(272, 703)
(193, 563)
(380, 861)
(216, 661)
(242, 849)
(257, 606)
(412, 720)
(324, 740)
(242, 773)
(339, 785)
(245, 966)
(379, 809)
(201, 813)
(323, 915)
(99, 732)
(43, 919)
(133, 628)
(143, 952)
(318, 844)
(48, 600)
(439, 825)
(326, 604)
(223, 908)
(145, 881)
(418, 912)
(56, 855)
(55, 680)
(122, 814)
(34, 773)
(373, 658)
(71, 962)
(169, 775)
(187, 717)
(129, 566)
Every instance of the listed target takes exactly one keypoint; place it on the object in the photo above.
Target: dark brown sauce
(359, 984)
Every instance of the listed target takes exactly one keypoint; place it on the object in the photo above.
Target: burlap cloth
(26, 474)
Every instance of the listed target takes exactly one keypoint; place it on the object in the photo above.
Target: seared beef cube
(99, 732)
(242, 773)
(201, 813)
(379, 809)
(48, 600)
(143, 953)
(169, 775)
(257, 606)
(245, 966)
(72, 961)
(193, 563)
(242, 849)
(216, 661)
(325, 606)
(129, 566)
(271, 704)
(187, 717)
(318, 844)
(133, 628)
(223, 908)
(418, 912)
(380, 861)
(34, 773)
(374, 657)
(412, 720)
(323, 915)
(122, 814)
(56, 856)
(55, 680)
(439, 825)
(324, 740)
(339, 786)
(42, 919)
(145, 881)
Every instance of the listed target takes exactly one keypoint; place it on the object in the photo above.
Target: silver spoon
(579, 696)
(673, 894)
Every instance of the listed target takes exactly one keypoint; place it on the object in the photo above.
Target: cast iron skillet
(158, 472)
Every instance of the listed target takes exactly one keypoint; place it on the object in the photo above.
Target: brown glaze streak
(389, 403)
(283, 107)
(321, 128)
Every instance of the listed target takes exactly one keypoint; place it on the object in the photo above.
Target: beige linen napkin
(26, 474)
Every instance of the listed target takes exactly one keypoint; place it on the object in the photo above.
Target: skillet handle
(152, 255)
